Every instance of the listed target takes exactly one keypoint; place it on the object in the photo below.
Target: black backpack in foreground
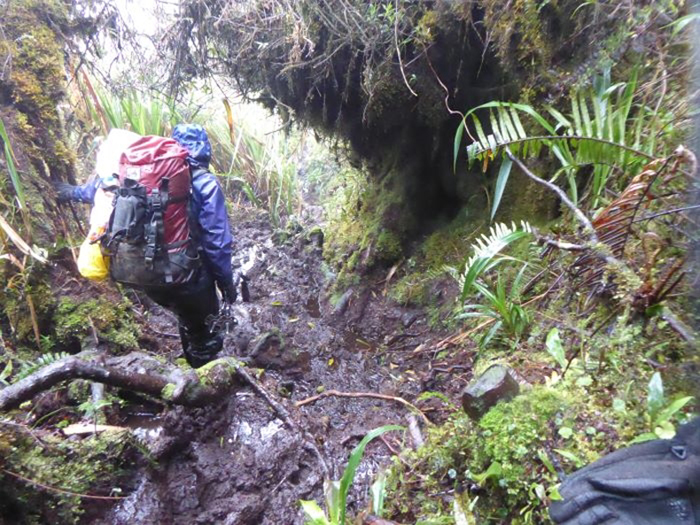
(657, 482)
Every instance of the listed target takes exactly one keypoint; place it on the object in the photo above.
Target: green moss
(218, 373)
(168, 392)
(388, 247)
(36, 80)
(112, 322)
(507, 452)
(16, 306)
(91, 465)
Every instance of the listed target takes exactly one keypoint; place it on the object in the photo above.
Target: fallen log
(142, 373)
(136, 372)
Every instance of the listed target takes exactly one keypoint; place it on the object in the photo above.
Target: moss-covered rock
(111, 321)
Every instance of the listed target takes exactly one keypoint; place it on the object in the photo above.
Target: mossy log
(136, 372)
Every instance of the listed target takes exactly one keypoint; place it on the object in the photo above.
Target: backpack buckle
(150, 253)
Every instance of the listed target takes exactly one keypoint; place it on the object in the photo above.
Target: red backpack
(149, 238)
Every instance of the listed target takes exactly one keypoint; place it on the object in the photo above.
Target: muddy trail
(236, 462)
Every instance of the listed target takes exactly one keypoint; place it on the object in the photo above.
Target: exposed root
(355, 395)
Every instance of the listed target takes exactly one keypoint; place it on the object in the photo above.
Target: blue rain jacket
(86, 192)
(209, 205)
(208, 202)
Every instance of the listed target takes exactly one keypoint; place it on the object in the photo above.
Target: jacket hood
(194, 139)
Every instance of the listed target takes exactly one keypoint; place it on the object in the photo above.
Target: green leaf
(647, 436)
(354, 461)
(331, 490)
(458, 142)
(565, 432)
(584, 381)
(665, 430)
(655, 395)
(682, 22)
(555, 348)
(483, 141)
(570, 456)
(619, 405)
(667, 413)
(546, 461)
(501, 181)
(494, 471)
(6, 372)
(314, 513)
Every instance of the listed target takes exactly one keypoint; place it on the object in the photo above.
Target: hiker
(182, 275)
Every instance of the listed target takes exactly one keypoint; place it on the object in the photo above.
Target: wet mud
(236, 462)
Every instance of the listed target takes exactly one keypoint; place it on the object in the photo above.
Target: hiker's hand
(228, 292)
(64, 191)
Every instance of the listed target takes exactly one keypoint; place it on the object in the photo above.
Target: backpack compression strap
(159, 202)
(155, 240)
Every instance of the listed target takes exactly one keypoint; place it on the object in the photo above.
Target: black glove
(647, 483)
(228, 291)
(64, 191)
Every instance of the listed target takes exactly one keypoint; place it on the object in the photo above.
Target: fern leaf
(28, 368)
(518, 124)
(485, 249)
(480, 133)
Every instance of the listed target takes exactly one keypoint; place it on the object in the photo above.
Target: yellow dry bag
(91, 263)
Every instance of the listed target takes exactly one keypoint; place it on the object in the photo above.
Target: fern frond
(28, 368)
(597, 132)
(485, 249)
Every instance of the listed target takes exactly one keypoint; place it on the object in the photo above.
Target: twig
(398, 50)
(356, 395)
(667, 212)
(285, 416)
(564, 198)
(563, 245)
(60, 491)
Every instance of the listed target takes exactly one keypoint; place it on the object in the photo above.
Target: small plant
(660, 413)
(501, 303)
(555, 348)
(337, 491)
(486, 254)
(28, 368)
(503, 306)
(93, 409)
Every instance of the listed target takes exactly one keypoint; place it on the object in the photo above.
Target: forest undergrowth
(556, 239)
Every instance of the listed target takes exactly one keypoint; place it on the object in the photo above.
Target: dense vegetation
(518, 172)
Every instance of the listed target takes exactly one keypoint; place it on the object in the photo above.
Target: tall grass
(264, 168)
(140, 113)
(11, 167)
(8, 233)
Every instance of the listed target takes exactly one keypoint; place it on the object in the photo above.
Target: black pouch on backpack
(657, 482)
(129, 214)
